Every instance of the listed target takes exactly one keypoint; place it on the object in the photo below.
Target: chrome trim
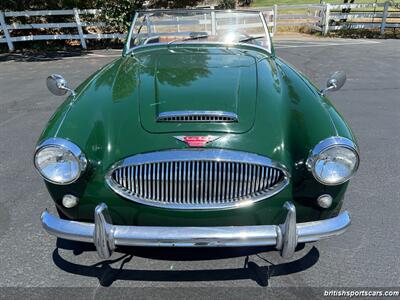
(289, 231)
(126, 49)
(215, 157)
(107, 236)
(196, 42)
(69, 230)
(268, 49)
(334, 83)
(327, 144)
(103, 234)
(267, 33)
(66, 145)
(196, 116)
(61, 85)
(322, 203)
(333, 141)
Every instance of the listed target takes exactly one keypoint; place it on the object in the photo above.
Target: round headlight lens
(336, 162)
(60, 163)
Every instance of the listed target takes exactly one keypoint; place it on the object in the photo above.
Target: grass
(287, 2)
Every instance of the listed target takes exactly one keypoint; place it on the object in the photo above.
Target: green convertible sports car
(198, 136)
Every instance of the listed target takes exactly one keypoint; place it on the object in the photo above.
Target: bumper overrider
(106, 236)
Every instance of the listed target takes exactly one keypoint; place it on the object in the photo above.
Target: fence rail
(77, 24)
(319, 17)
(330, 17)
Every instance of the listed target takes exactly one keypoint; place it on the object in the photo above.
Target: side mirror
(58, 86)
(335, 82)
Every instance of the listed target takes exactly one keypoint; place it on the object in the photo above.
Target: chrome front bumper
(106, 236)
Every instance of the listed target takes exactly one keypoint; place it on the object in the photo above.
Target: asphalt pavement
(367, 255)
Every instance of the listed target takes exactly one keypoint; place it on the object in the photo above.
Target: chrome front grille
(197, 179)
(197, 116)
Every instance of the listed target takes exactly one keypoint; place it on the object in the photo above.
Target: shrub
(226, 4)
(245, 2)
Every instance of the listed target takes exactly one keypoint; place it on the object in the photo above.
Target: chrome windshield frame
(127, 49)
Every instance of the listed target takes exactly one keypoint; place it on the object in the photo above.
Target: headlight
(59, 161)
(334, 161)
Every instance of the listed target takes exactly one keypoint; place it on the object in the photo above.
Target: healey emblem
(197, 141)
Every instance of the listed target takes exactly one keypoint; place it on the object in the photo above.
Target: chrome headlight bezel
(67, 146)
(327, 144)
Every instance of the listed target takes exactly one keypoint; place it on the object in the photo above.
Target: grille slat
(146, 182)
(240, 183)
(162, 182)
(262, 185)
(215, 183)
(218, 191)
(192, 182)
(228, 182)
(206, 177)
(268, 178)
(195, 183)
(167, 185)
(246, 180)
(197, 178)
(223, 182)
(201, 183)
(184, 183)
(189, 182)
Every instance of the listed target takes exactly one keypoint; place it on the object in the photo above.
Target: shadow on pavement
(44, 56)
(107, 274)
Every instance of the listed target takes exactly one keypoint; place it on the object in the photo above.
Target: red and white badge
(197, 141)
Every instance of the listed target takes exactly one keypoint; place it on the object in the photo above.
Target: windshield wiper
(251, 38)
(194, 37)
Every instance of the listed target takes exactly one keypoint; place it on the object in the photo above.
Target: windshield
(209, 26)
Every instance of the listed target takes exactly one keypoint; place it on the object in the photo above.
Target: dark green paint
(281, 116)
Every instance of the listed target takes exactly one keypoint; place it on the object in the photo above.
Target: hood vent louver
(198, 117)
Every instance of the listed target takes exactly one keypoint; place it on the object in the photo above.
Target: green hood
(197, 81)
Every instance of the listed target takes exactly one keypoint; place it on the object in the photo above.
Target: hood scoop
(197, 116)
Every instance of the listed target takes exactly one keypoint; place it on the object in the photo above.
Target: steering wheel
(152, 39)
(235, 36)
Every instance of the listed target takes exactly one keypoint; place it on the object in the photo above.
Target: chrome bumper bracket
(103, 236)
(107, 236)
(289, 231)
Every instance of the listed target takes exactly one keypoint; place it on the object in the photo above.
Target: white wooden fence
(77, 24)
(362, 16)
(330, 17)
(308, 15)
(318, 17)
